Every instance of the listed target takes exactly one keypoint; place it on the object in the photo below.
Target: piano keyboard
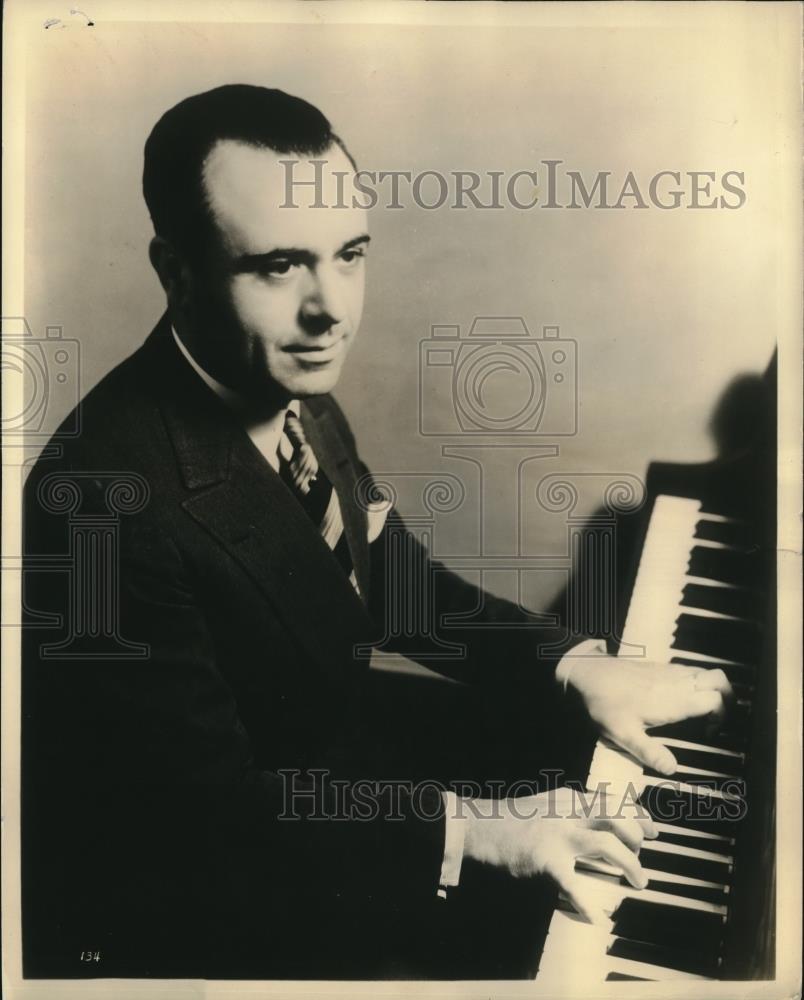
(691, 604)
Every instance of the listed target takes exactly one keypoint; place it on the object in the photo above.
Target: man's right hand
(546, 833)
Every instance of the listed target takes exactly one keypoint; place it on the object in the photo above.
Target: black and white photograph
(401, 499)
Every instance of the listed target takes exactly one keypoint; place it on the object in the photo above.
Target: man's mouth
(316, 355)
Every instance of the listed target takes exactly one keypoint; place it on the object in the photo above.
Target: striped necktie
(316, 494)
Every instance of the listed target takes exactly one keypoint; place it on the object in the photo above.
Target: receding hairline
(340, 151)
(182, 141)
(297, 157)
(212, 211)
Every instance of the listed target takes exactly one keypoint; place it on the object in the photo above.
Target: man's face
(281, 294)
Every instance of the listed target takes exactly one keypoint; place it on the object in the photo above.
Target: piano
(702, 594)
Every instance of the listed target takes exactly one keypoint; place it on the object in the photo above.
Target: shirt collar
(227, 395)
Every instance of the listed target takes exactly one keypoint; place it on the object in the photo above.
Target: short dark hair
(181, 140)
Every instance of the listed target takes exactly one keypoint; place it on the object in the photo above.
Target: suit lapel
(242, 502)
(264, 528)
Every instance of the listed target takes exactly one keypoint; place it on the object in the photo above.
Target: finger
(702, 702)
(649, 828)
(687, 704)
(713, 680)
(563, 873)
(701, 679)
(630, 831)
(633, 809)
(593, 913)
(647, 749)
(679, 671)
(606, 845)
(689, 692)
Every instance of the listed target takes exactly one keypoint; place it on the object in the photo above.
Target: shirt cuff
(455, 833)
(589, 647)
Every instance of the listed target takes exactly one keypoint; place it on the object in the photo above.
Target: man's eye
(278, 268)
(352, 256)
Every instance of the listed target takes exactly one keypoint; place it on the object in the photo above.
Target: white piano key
(716, 661)
(624, 791)
(689, 852)
(683, 788)
(568, 926)
(705, 581)
(618, 765)
(568, 938)
(671, 742)
(673, 879)
(624, 786)
(644, 970)
(687, 609)
(660, 575)
(693, 834)
(720, 518)
(708, 543)
(702, 772)
(604, 868)
(614, 763)
(607, 893)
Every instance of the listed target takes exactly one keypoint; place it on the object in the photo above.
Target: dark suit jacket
(150, 772)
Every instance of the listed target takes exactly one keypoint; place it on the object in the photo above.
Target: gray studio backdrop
(665, 307)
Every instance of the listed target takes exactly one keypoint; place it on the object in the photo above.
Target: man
(241, 588)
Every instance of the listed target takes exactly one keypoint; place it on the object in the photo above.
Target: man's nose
(323, 305)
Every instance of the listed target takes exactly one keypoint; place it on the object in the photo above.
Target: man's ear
(173, 271)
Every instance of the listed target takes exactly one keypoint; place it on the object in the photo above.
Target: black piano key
(730, 784)
(620, 977)
(723, 565)
(704, 893)
(665, 804)
(721, 600)
(682, 864)
(696, 641)
(736, 724)
(726, 638)
(738, 717)
(669, 925)
(739, 673)
(720, 637)
(725, 847)
(742, 692)
(696, 962)
(736, 533)
(730, 734)
(723, 763)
